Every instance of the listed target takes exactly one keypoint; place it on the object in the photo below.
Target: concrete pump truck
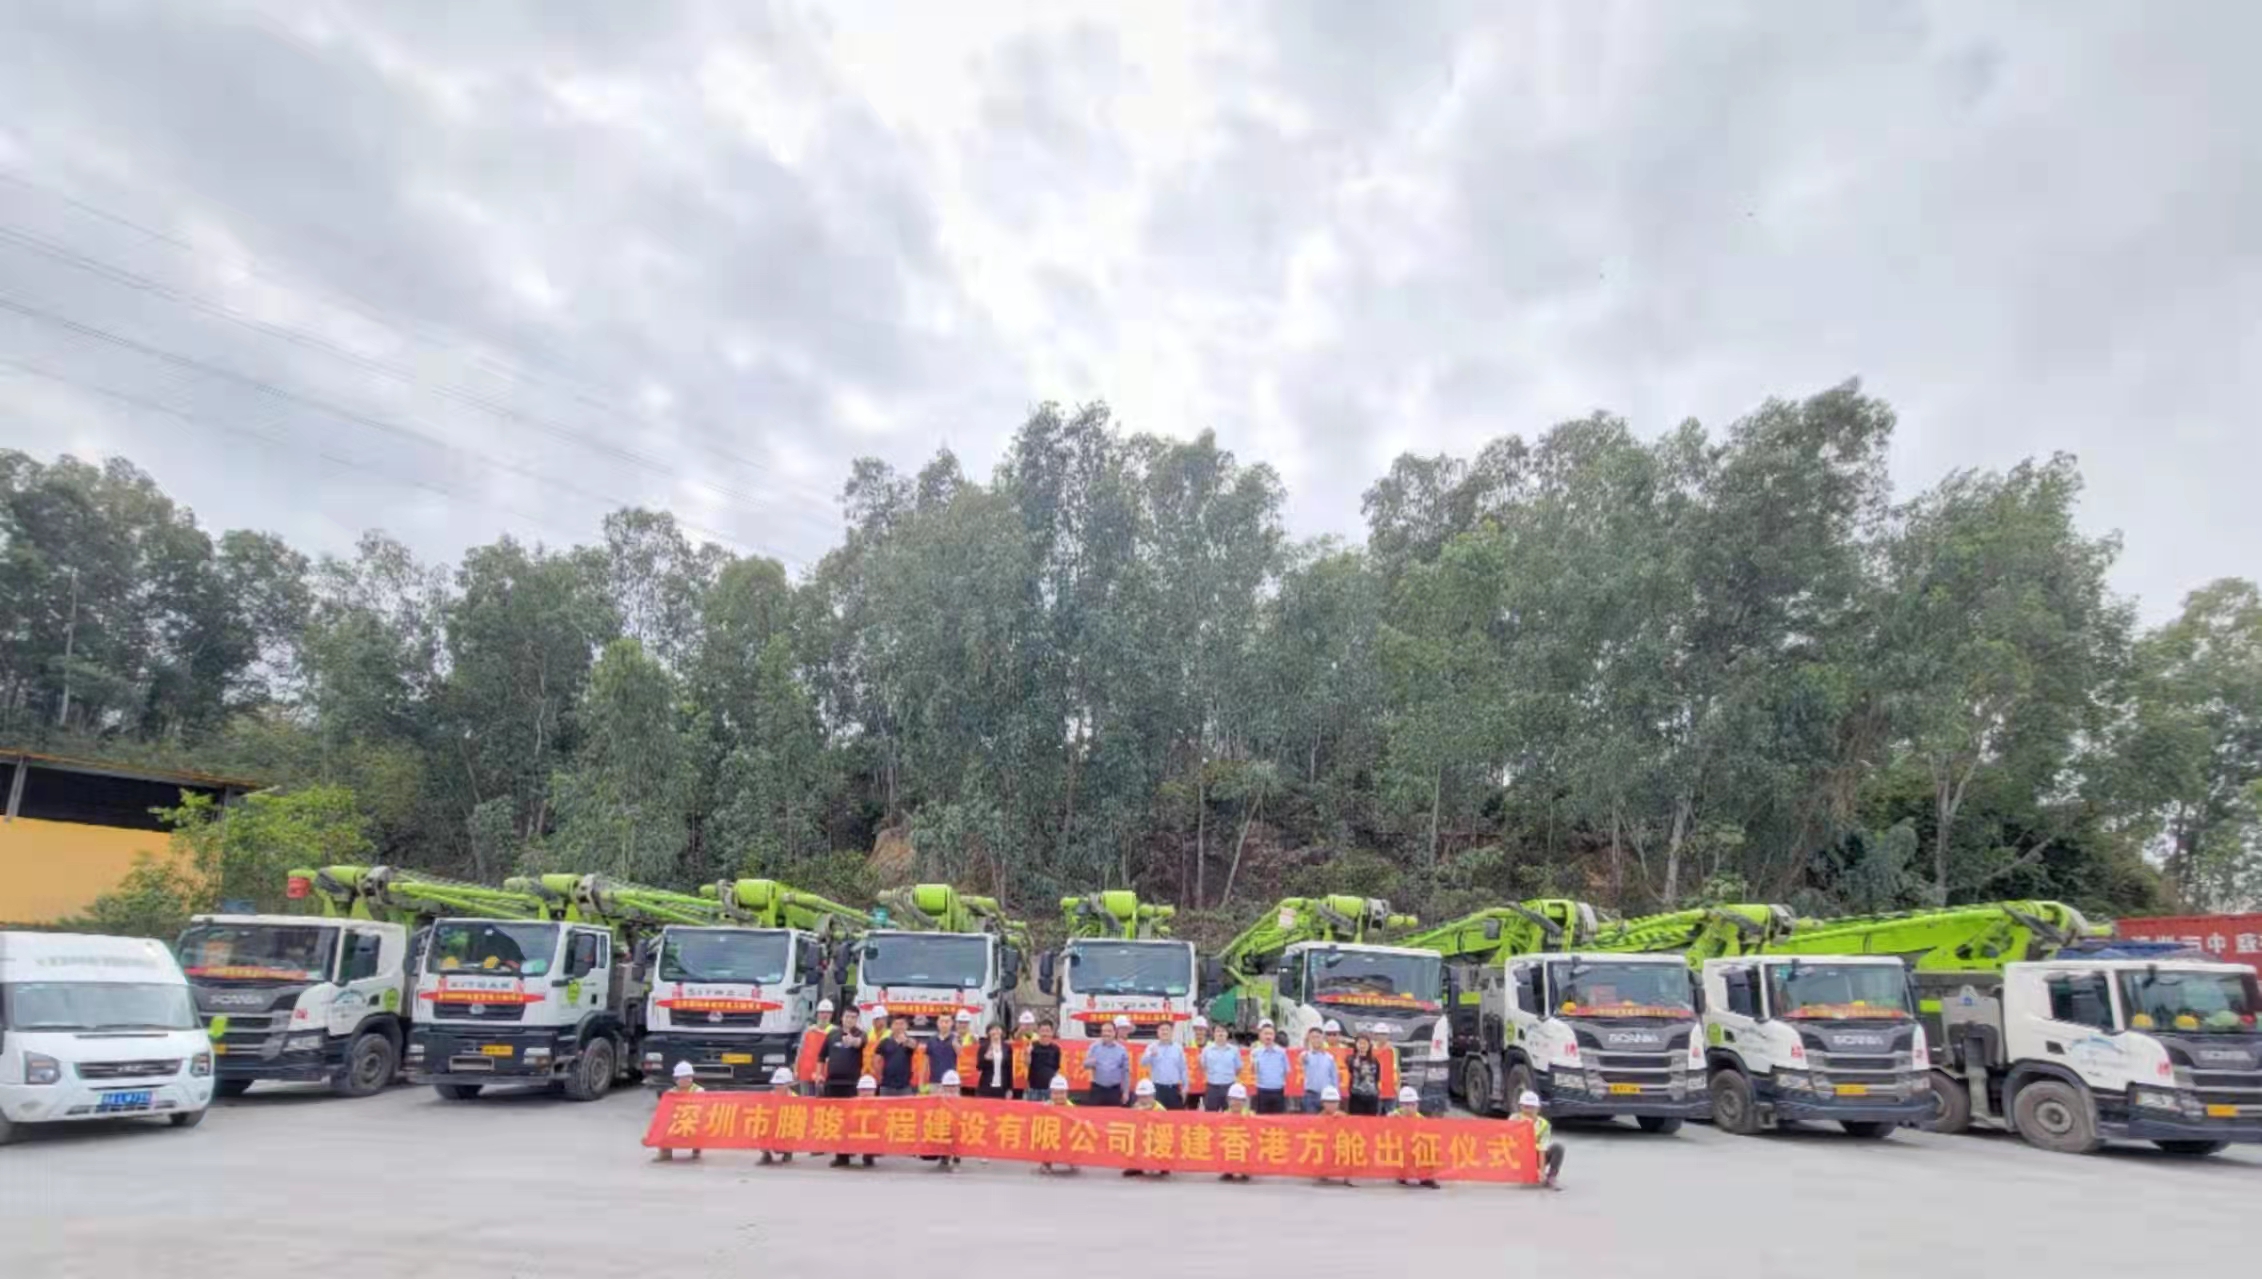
(933, 952)
(733, 995)
(1119, 962)
(1311, 960)
(324, 998)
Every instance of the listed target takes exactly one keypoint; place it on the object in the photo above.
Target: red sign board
(2234, 939)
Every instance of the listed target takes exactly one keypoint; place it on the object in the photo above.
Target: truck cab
(931, 977)
(1593, 1034)
(2069, 1053)
(1149, 981)
(1820, 1037)
(97, 1028)
(731, 1001)
(523, 1001)
(298, 999)
(1395, 994)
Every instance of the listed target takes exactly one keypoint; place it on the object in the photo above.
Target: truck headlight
(2155, 1099)
(39, 1068)
(1570, 1081)
(536, 1054)
(303, 1044)
(200, 1065)
(416, 1052)
(1794, 1081)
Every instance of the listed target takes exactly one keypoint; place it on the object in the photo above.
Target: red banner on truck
(2233, 939)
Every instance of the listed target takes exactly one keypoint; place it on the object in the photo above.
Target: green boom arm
(1953, 939)
(1702, 932)
(942, 908)
(409, 897)
(1117, 914)
(766, 903)
(1298, 919)
(1521, 928)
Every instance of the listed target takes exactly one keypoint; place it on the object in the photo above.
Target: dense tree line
(1640, 671)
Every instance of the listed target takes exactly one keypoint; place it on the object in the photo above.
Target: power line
(303, 339)
(269, 389)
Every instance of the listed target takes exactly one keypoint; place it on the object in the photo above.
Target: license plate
(2222, 1112)
(1853, 1090)
(494, 1050)
(738, 1059)
(124, 1100)
(1620, 1090)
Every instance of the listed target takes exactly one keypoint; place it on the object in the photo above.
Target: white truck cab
(502, 1001)
(2070, 1052)
(1097, 979)
(733, 1002)
(1395, 994)
(1822, 1037)
(296, 998)
(931, 977)
(1598, 1034)
(97, 1028)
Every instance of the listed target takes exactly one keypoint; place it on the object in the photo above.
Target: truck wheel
(231, 1087)
(1664, 1125)
(370, 1065)
(1867, 1129)
(1733, 1108)
(457, 1092)
(1951, 1105)
(592, 1076)
(186, 1118)
(2052, 1115)
(2192, 1149)
(1476, 1086)
(1519, 1083)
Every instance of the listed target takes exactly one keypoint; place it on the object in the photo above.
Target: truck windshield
(926, 959)
(724, 955)
(2193, 1002)
(486, 946)
(258, 952)
(98, 1005)
(1130, 967)
(1375, 979)
(1591, 988)
(1836, 992)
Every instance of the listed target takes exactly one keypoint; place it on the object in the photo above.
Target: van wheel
(2052, 1115)
(1867, 1129)
(457, 1092)
(1951, 1105)
(231, 1087)
(2192, 1149)
(370, 1065)
(592, 1076)
(1664, 1125)
(186, 1118)
(1733, 1109)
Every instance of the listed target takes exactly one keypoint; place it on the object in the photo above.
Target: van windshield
(99, 1005)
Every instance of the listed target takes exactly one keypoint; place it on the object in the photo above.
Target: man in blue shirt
(1166, 1067)
(1320, 1073)
(895, 1054)
(1110, 1065)
(1221, 1066)
(1269, 1061)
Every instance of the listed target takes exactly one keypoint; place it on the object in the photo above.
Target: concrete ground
(293, 1184)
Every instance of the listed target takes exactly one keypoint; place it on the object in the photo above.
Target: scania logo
(2222, 1056)
(235, 1001)
(1859, 1040)
(1629, 1038)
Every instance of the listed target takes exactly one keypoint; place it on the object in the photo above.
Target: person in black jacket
(993, 1065)
(894, 1055)
(843, 1055)
(1044, 1061)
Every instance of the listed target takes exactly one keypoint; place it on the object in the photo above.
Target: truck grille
(462, 1016)
(2241, 1088)
(155, 1068)
(1649, 1073)
(250, 1028)
(713, 1021)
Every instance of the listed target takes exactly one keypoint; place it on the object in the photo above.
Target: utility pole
(70, 633)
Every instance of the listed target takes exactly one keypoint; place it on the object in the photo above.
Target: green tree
(623, 808)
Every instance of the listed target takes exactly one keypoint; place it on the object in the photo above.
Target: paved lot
(292, 1185)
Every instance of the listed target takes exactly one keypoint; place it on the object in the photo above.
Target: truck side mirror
(1009, 966)
(1213, 976)
(1045, 973)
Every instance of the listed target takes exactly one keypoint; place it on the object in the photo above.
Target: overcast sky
(452, 269)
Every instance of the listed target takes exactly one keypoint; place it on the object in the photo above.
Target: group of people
(1351, 1086)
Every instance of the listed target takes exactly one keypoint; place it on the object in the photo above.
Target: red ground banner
(2234, 939)
(809, 1067)
(1152, 1140)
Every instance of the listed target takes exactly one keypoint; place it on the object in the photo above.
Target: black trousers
(1364, 1104)
(1171, 1096)
(840, 1088)
(1104, 1095)
(1271, 1101)
(1551, 1160)
(1214, 1098)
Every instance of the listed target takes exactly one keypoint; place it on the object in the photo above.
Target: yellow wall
(53, 870)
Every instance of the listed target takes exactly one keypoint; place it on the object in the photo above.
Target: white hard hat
(950, 1079)
(781, 1076)
(963, 1015)
(683, 1070)
(1122, 1022)
(1200, 1022)
(1528, 1099)
(1028, 1018)
(1146, 1088)
(880, 1011)
(867, 1084)
(824, 1005)
(1060, 1083)
(1238, 1092)
(1409, 1096)
(1265, 1024)
(1331, 1093)
(1333, 1027)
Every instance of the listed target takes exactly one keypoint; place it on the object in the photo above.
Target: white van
(97, 1028)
